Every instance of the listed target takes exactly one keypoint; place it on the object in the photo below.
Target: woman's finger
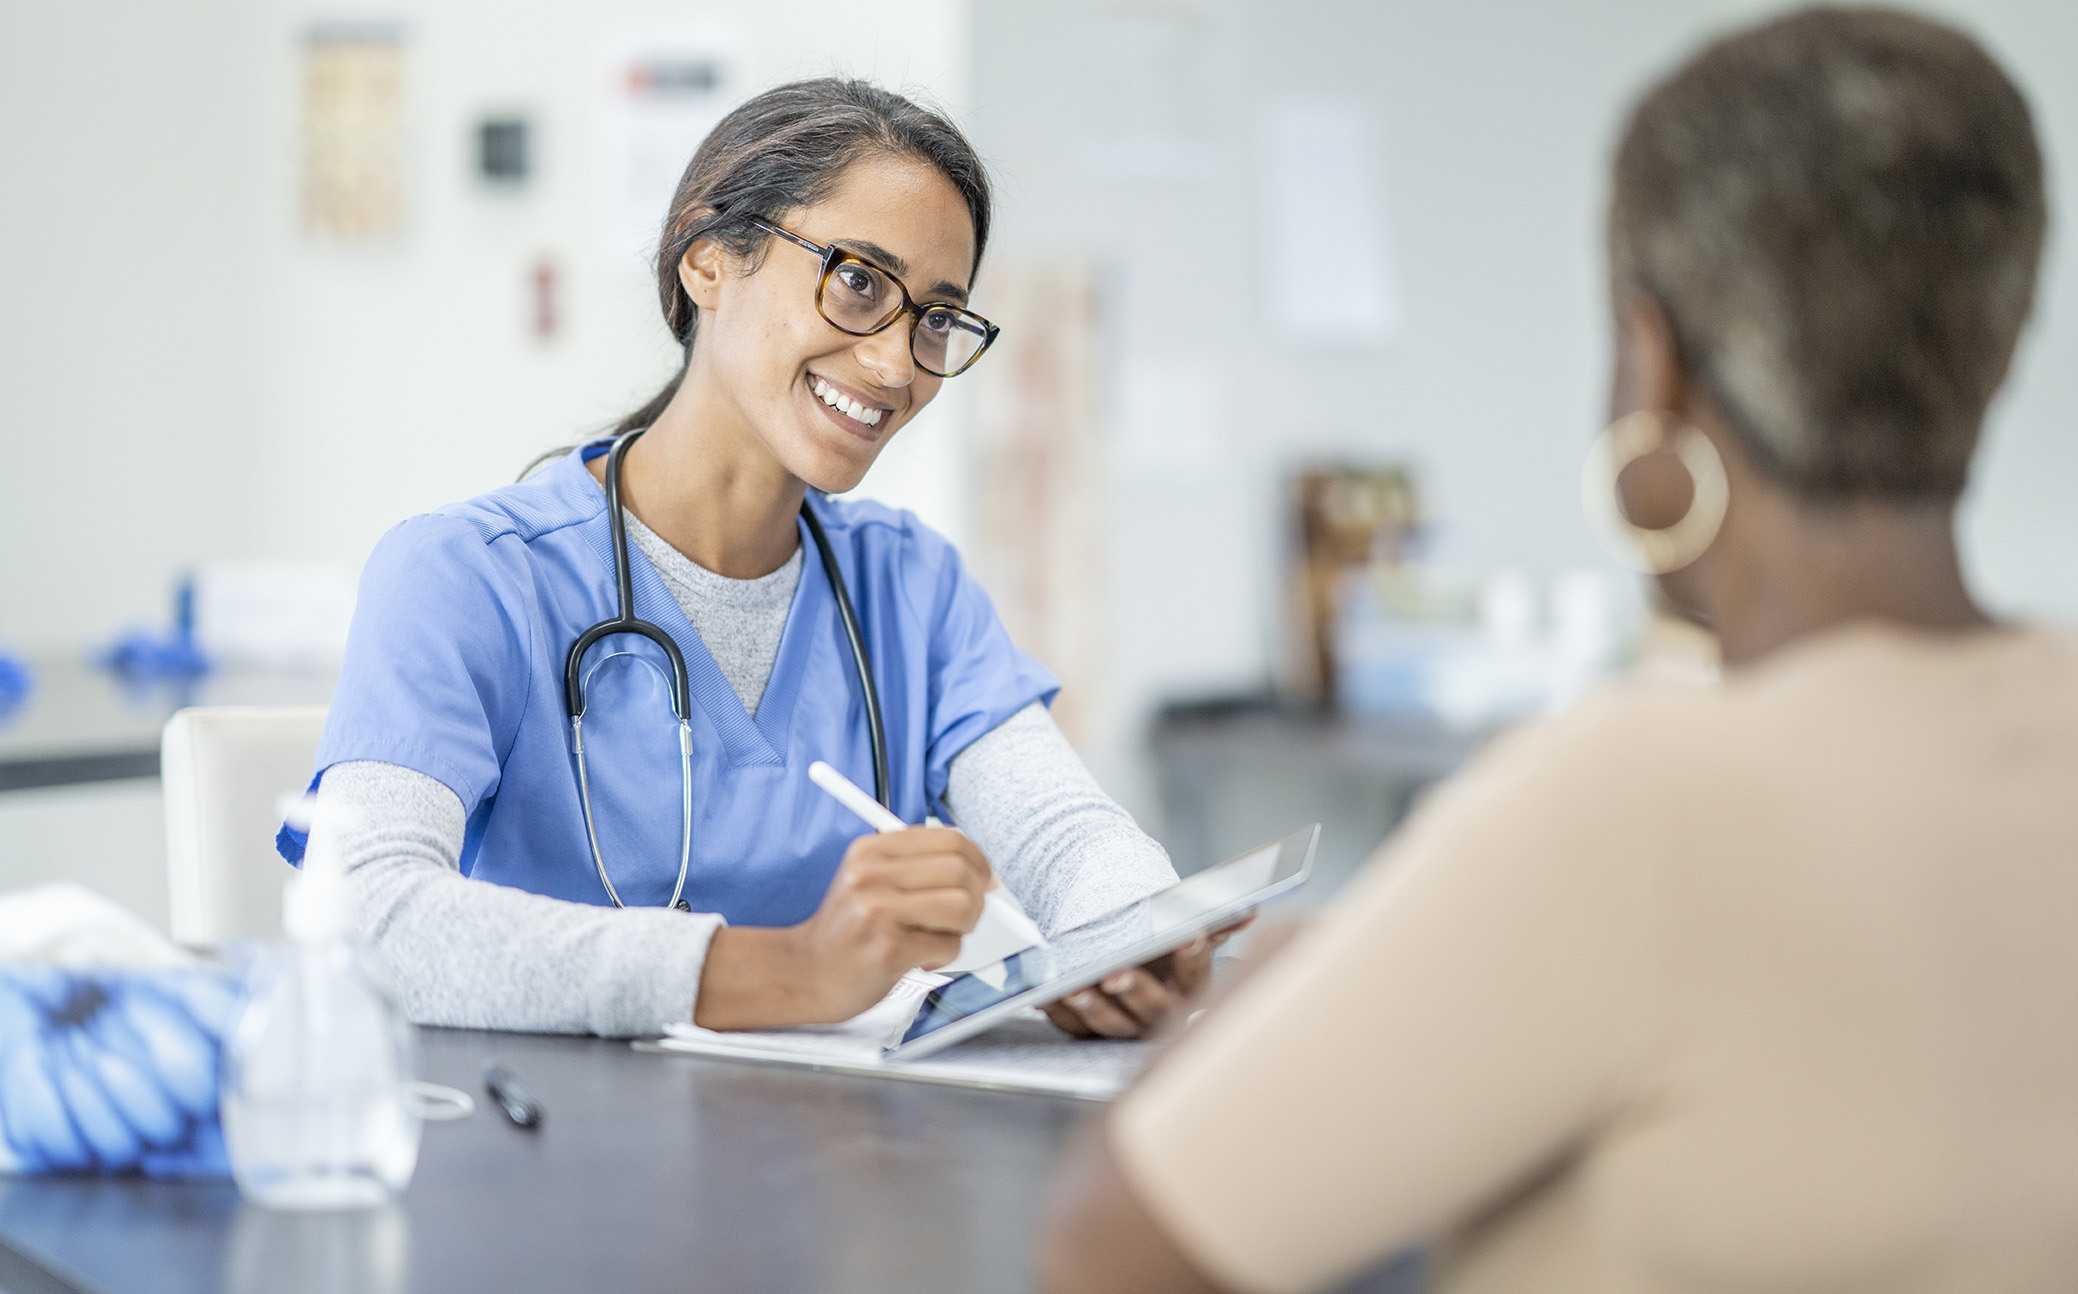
(1067, 1021)
(928, 949)
(1104, 1017)
(917, 841)
(1189, 967)
(926, 872)
(1143, 996)
(947, 910)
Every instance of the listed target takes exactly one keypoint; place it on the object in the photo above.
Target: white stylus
(1004, 927)
(840, 787)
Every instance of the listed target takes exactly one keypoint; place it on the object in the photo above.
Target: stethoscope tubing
(625, 621)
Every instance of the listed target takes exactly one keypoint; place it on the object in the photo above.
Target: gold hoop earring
(1624, 442)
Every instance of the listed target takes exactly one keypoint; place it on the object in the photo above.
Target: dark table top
(83, 724)
(650, 1172)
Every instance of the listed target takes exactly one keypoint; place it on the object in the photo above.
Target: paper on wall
(1327, 258)
(661, 90)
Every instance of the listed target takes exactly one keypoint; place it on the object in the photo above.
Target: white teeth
(844, 404)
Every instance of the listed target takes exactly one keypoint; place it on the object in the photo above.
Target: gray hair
(1841, 212)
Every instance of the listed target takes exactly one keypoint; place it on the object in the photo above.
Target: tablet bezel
(1133, 955)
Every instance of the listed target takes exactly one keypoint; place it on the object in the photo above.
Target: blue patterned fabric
(113, 1071)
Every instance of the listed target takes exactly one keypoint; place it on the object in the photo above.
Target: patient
(1768, 986)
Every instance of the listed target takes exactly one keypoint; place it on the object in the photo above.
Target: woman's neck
(704, 481)
(1805, 568)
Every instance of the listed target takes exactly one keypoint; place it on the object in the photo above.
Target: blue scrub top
(454, 667)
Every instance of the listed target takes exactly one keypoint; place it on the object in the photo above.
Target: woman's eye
(857, 280)
(938, 321)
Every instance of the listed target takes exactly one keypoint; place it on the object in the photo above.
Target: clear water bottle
(316, 1110)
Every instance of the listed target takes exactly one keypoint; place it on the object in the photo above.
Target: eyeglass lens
(861, 299)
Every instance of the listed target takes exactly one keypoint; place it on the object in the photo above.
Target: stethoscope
(575, 682)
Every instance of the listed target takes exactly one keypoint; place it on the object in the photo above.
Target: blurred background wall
(189, 375)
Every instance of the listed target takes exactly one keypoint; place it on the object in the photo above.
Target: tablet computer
(1160, 923)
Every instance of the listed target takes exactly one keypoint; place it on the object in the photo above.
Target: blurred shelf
(1234, 772)
(82, 724)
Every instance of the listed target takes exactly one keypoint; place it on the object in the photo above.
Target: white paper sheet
(1024, 1054)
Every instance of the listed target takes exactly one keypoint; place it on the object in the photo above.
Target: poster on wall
(1156, 93)
(353, 132)
(1039, 480)
(1327, 248)
(661, 89)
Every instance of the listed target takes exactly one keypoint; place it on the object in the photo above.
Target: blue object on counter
(113, 1072)
(142, 654)
(16, 682)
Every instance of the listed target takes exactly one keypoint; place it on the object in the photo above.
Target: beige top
(1766, 987)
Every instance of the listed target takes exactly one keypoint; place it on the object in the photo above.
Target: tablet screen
(1179, 910)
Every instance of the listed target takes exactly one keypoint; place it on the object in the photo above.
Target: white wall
(185, 376)
(394, 380)
(1492, 124)
(126, 143)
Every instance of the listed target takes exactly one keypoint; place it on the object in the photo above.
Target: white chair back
(228, 771)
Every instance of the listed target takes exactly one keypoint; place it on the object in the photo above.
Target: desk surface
(649, 1173)
(82, 724)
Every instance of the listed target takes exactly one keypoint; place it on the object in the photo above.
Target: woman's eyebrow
(875, 253)
(895, 265)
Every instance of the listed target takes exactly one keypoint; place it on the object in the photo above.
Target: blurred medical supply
(318, 1107)
(144, 655)
(1344, 518)
(110, 1041)
(1415, 645)
(1381, 630)
(16, 682)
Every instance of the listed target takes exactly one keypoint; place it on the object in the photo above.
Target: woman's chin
(832, 473)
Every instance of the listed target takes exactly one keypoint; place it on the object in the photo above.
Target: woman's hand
(900, 899)
(1135, 1002)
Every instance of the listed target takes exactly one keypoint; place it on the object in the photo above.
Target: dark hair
(782, 150)
(1841, 212)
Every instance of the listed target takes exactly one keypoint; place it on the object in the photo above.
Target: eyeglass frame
(833, 256)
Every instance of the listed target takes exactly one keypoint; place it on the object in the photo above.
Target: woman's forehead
(904, 214)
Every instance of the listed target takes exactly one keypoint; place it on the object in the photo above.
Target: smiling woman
(816, 265)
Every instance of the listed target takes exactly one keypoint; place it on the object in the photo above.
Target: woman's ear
(1648, 363)
(700, 272)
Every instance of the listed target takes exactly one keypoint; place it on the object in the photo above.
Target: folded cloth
(111, 1041)
(71, 926)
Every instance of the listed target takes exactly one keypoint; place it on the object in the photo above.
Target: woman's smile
(850, 408)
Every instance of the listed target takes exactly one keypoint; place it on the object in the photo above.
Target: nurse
(815, 267)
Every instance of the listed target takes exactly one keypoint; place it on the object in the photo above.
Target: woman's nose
(886, 355)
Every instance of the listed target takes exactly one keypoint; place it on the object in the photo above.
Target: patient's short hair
(1841, 212)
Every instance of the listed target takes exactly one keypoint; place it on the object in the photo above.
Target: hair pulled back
(785, 149)
(1841, 212)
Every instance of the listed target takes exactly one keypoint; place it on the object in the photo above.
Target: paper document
(1026, 1054)
(1004, 929)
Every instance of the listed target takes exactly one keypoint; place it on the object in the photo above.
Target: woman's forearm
(469, 953)
(1065, 848)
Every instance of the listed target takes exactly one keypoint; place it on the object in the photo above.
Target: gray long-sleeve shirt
(466, 952)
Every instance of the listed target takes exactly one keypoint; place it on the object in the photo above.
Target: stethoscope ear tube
(859, 659)
(624, 621)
